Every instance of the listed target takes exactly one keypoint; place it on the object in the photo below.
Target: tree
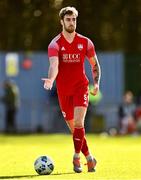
(30, 24)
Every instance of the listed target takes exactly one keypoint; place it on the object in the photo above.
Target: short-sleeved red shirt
(71, 76)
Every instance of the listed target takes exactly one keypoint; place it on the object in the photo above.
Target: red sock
(84, 148)
(78, 137)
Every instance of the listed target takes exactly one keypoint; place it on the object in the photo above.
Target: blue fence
(37, 110)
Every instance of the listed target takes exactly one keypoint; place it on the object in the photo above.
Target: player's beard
(69, 29)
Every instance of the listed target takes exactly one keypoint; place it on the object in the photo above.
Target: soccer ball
(43, 165)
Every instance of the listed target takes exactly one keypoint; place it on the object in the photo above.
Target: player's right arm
(53, 49)
(52, 73)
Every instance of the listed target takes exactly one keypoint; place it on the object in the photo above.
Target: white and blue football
(44, 165)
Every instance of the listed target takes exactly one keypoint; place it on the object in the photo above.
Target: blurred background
(27, 27)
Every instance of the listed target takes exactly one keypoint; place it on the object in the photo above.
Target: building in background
(38, 112)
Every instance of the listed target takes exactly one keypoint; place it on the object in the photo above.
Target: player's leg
(81, 104)
(80, 109)
(78, 136)
(70, 124)
(76, 159)
(66, 105)
(79, 131)
(84, 148)
(80, 142)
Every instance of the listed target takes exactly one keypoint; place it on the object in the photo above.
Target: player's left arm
(95, 67)
(96, 73)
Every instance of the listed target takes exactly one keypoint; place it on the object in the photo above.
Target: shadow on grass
(13, 177)
(31, 176)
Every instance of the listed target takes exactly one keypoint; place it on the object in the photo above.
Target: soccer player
(67, 52)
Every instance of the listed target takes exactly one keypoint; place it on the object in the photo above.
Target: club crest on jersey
(80, 46)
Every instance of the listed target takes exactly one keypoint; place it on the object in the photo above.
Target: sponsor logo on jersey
(80, 46)
(71, 58)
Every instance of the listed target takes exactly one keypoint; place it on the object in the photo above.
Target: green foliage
(31, 24)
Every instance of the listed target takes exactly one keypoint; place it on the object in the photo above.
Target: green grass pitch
(119, 158)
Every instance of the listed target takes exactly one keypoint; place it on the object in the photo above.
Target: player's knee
(78, 124)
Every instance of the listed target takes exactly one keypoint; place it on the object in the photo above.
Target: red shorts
(67, 103)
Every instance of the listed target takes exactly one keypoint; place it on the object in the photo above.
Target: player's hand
(48, 83)
(95, 90)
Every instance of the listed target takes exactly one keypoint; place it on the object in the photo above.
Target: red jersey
(71, 76)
